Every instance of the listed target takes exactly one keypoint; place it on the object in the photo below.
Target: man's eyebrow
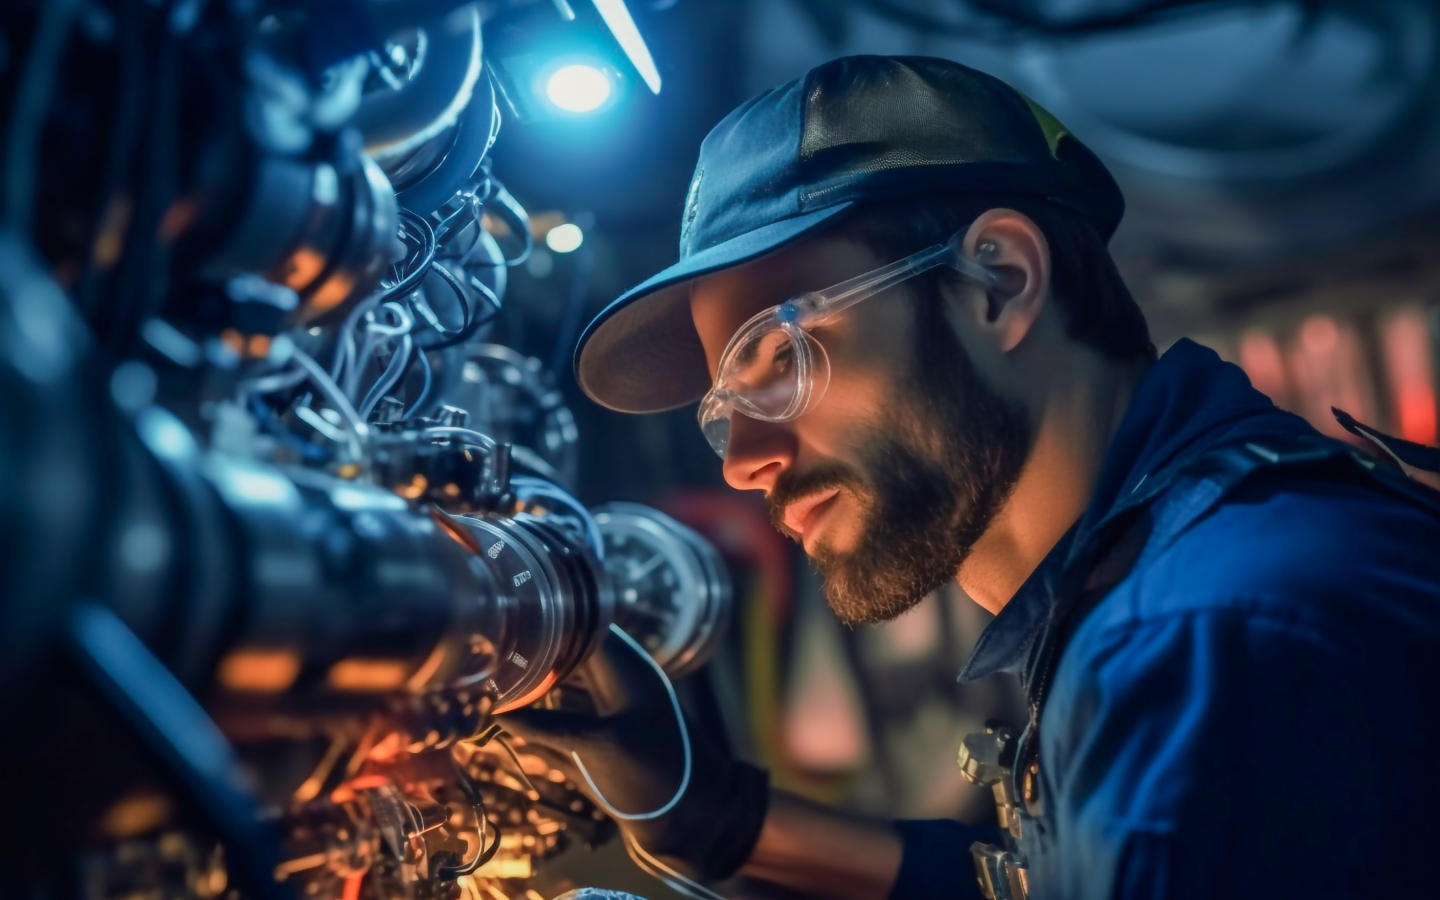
(747, 352)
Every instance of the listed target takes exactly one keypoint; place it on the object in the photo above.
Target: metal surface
(673, 591)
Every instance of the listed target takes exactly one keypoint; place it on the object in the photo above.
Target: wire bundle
(386, 335)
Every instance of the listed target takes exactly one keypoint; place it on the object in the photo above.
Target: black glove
(632, 749)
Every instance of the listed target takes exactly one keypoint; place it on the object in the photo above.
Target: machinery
(283, 533)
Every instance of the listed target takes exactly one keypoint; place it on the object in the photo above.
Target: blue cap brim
(641, 353)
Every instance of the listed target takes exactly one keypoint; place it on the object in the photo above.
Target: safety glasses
(775, 370)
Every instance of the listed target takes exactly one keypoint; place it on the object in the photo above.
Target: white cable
(337, 399)
(684, 743)
(402, 316)
(388, 379)
(663, 873)
(317, 422)
(357, 366)
(483, 441)
(377, 333)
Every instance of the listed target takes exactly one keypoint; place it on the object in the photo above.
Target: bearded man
(895, 305)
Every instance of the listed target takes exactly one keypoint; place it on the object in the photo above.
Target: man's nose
(757, 453)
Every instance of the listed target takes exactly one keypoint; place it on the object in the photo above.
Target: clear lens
(764, 368)
(714, 416)
(764, 373)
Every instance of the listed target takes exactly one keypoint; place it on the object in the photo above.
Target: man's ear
(1014, 248)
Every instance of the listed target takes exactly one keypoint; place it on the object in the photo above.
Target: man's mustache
(792, 486)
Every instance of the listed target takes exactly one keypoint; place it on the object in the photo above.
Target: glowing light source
(622, 26)
(564, 238)
(578, 88)
(1405, 337)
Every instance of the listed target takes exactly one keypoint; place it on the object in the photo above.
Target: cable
(663, 873)
(422, 307)
(388, 378)
(337, 398)
(482, 855)
(360, 363)
(476, 321)
(503, 740)
(483, 441)
(424, 396)
(684, 743)
(356, 364)
(420, 234)
(426, 235)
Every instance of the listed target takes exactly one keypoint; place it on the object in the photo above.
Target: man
(895, 304)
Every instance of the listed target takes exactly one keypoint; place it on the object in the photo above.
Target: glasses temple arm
(847, 293)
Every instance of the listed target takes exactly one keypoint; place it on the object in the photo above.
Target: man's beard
(930, 480)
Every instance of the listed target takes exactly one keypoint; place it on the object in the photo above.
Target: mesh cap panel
(903, 113)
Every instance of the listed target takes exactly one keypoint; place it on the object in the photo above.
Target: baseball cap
(791, 161)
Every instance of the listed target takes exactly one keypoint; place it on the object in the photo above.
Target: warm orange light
(495, 225)
(303, 267)
(264, 671)
(421, 679)
(135, 815)
(1329, 367)
(110, 242)
(367, 675)
(177, 219)
(540, 690)
(1320, 335)
(330, 295)
(1260, 358)
(415, 489)
(1408, 367)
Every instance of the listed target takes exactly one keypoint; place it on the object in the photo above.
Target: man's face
(893, 476)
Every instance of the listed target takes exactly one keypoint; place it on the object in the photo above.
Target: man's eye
(784, 359)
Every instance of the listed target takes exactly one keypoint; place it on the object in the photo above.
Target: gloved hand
(633, 751)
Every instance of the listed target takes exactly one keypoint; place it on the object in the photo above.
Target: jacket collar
(1187, 402)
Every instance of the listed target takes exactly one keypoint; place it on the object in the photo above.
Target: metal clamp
(987, 759)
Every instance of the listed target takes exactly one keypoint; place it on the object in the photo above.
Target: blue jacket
(1254, 710)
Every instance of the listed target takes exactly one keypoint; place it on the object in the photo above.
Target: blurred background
(1279, 160)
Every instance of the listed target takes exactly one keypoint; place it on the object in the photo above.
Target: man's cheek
(847, 418)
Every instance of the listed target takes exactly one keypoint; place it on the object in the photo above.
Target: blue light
(622, 26)
(578, 88)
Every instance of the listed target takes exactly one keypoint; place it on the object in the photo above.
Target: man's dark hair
(1093, 298)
